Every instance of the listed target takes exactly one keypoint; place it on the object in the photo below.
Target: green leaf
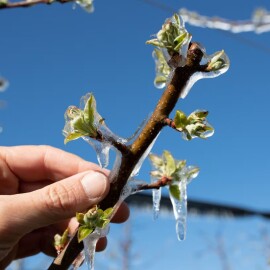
(180, 120)
(180, 40)
(64, 237)
(180, 165)
(156, 161)
(177, 19)
(170, 163)
(72, 136)
(89, 110)
(83, 232)
(80, 218)
(154, 42)
(201, 114)
(160, 80)
(106, 222)
(100, 223)
(192, 172)
(107, 213)
(175, 192)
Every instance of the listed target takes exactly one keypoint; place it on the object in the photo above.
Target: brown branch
(136, 150)
(170, 123)
(30, 3)
(162, 182)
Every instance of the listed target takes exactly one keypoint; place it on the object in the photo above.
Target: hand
(41, 189)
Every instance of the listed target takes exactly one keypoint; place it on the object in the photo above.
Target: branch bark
(135, 151)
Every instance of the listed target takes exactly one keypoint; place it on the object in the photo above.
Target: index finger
(32, 163)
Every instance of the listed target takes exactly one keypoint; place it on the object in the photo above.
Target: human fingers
(122, 213)
(32, 163)
(23, 213)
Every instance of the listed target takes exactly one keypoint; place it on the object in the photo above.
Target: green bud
(172, 35)
(217, 62)
(80, 218)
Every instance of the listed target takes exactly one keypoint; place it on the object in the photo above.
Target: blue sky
(53, 55)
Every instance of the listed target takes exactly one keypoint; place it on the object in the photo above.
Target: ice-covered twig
(162, 182)
(87, 5)
(5, 4)
(259, 23)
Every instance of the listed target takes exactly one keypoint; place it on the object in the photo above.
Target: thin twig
(162, 182)
(30, 3)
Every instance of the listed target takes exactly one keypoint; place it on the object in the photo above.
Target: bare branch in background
(3, 84)
(259, 22)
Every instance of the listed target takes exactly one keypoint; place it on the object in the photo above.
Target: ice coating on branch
(156, 197)
(172, 43)
(217, 64)
(87, 5)
(90, 243)
(143, 157)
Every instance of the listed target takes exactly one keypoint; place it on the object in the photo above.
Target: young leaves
(172, 35)
(94, 218)
(218, 62)
(82, 122)
(60, 241)
(195, 125)
(176, 170)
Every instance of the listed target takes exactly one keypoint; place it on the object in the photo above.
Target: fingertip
(122, 214)
(101, 244)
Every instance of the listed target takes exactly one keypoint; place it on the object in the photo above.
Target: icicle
(180, 210)
(102, 151)
(156, 197)
(90, 243)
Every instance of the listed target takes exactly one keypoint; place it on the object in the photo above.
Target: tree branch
(162, 182)
(30, 3)
(136, 150)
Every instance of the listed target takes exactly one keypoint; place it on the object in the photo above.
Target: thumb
(53, 203)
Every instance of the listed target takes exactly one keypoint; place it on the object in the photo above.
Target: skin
(40, 191)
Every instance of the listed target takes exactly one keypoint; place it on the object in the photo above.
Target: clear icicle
(90, 243)
(156, 196)
(90, 249)
(180, 210)
(102, 151)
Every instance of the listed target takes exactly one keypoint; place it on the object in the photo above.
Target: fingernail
(95, 185)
